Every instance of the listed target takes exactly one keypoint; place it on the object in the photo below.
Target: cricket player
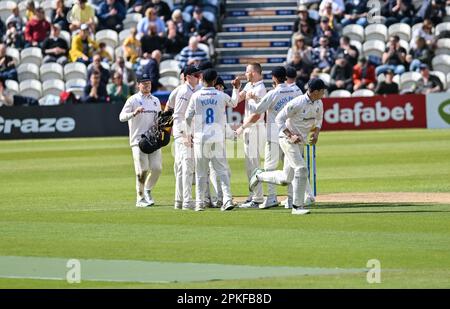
(291, 76)
(295, 121)
(206, 114)
(272, 103)
(254, 135)
(184, 154)
(141, 111)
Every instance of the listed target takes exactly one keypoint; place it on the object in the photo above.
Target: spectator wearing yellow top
(82, 13)
(31, 10)
(104, 54)
(132, 46)
(83, 46)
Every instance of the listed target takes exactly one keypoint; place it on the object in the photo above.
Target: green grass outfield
(75, 199)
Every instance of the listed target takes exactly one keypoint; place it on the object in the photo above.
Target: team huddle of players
(200, 129)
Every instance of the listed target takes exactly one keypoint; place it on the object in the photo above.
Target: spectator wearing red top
(37, 29)
(364, 75)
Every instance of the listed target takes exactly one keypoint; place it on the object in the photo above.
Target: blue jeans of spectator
(398, 69)
(359, 21)
(85, 62)
(8, 74)
(415, 65)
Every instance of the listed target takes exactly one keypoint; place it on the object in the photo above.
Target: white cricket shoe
(142, 203)
(300, 210)
(249, 198)
(229, 205)
(254, 179)
(250, 204)
(178, 205)
(199, 207)
(188, 206)
(270, 201)
(218, 204)
(149, 198)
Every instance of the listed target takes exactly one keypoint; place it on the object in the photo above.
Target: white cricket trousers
(210, 152)
(184, 172)
(273, 155)
(254, 141)
(294, 171)
(148, 168)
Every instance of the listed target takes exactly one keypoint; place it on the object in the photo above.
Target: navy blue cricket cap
(143, 78)
(291, 72)
(204, 65)
(316, 84)
(423, 66)
(209, 75)
(279, 72)
(191, 70)
(219, 81)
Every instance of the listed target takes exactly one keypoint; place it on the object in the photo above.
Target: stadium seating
(31, 55)
(169, 82)
(443, 47)
(340, 94)
(131, 20)
(402, 30)
(442, 27)
(408, 80)
(441, 63)
(441, 76)
(325, 77)
(14, 53)
(109, 37)
(376, 32)
(75, 70)
(123, 35)
(5, 9)
(53, 87)
(12, 86)
(354, 32)
(76, 86)
(169, 68)
(50, 71)
(31, 88)
(28, 71)
(374, 48)
(66, 36)
(363, 93)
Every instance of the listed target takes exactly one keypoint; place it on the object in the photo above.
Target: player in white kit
(271, 104)
(184, 154)
(254, 135)
(141, 111)
(206, 119)
(295, 121)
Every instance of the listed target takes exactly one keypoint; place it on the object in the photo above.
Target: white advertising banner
(438, 110)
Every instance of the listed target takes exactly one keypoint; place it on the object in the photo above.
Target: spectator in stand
(59, 15)
(303, 70)
(37, 29)
(111, 14)
(161, 7)
(152, 41)
(128, 75)
(175, 42)
(151, 17)
(30, 10)
(118, 91)
(55, 48)
(388, 86)
(299, 46)
(394, 58)
(13, 37)
(7, 65)
(428, 83)
(350, 52)
(399, 11)
(188, 6)
(341, 75)
(364, 75)
(132, 46)
(82, 47)
(303, 16)
(97, 66)
(152, 70)
(337, 6)
(328, 12)
(355, 13)
(426, 32)
(181, 25)
(82, 13)
(323, 56)
(432, 9)
(16, 19)
(202, 27)
(307, 32)
(191, 54)
(324, 30)
(95, 90)
(421, 54)
(104, 53)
